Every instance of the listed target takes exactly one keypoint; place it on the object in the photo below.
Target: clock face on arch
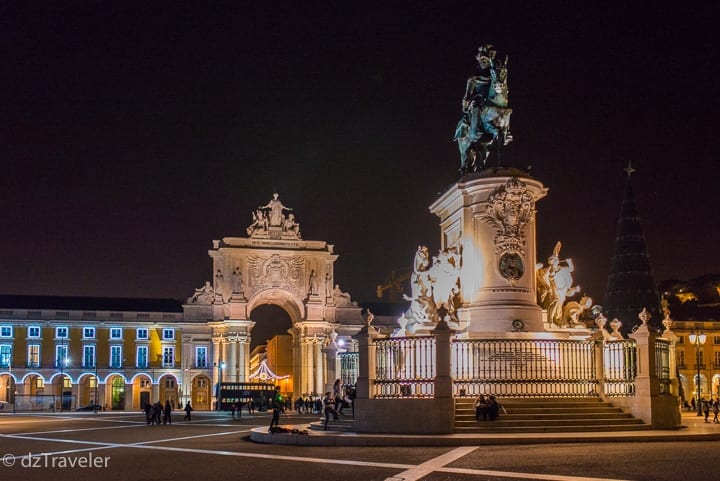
(511, 266)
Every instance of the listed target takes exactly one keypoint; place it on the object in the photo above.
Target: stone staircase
(342, 424)
(547, 415)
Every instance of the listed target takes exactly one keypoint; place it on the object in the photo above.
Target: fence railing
(405, 367)
(619, 367)
(523, 368)
(349, 363)
(662, 364)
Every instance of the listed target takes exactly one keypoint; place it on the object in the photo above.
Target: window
(168, 359)
(169, 382)
(142, 356)
(88, 333)
(61, 332)
(717, 358)
(144, 383)
(168, 334)
(115, 356)
(681, 358)
(34, 331)
(33, 355)
(716, 339)
(88, 356)
(201, 356)
(115, 333)
(5, 355)
(201, 382)
(6, 331)
(61, 355)
(142, 333)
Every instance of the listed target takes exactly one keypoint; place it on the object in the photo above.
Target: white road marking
(438, 465)
(422, 470)
(409, 472)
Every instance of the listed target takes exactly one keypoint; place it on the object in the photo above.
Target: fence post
(670, 336)
(443, 380)
(661, 410)
(331, 354)
(366, 361)
(599, 360)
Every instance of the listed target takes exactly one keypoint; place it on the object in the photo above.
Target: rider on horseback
(486, 115)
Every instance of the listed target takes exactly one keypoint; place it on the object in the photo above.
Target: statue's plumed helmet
(486, 49)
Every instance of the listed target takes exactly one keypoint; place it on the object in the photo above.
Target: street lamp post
(220, 366)
(96, 403)
(698, 340)
(63, 363)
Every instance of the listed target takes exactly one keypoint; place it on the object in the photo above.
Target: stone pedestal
(490, 219)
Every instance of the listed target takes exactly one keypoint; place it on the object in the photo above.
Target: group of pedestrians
(708, 405)
(154, 412)
(309, 404)
(487, 408)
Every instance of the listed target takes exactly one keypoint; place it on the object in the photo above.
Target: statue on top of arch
(270, 221)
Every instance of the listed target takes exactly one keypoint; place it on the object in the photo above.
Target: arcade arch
(200, 392)
(270, 320)
(168, 390)
(88, 389)
(7, 388)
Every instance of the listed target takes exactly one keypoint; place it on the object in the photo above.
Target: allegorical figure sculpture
(276, 208)
(270, 221)
(554, 285)
(435, 289)
(237, 283)
(312, 284)
(202, 295)
(342, 299)
(486, 116)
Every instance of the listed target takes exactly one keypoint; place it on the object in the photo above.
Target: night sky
(133, 134)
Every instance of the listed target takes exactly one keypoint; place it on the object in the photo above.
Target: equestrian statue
(486, 117)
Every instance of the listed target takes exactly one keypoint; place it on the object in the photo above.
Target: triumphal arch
(275, 265)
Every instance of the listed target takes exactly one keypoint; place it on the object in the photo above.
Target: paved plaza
(110, 446)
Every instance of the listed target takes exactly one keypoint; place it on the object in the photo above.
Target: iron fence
(349, 362)
(619, 367)
(523, 367)
(405, 367)
(662, 364)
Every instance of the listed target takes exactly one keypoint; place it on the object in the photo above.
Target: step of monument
(517, 423)
(614, 414)
(342, 424)
(576, 428)
(541, 402)
(547, 415)
(548, 412)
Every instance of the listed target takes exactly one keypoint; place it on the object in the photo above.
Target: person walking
(188, 410)
(148, 413)
(277, 404)
(716, 410)
(156, 413)
(167, 413)
(329, 408)
(706, 409)
(337, 394)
